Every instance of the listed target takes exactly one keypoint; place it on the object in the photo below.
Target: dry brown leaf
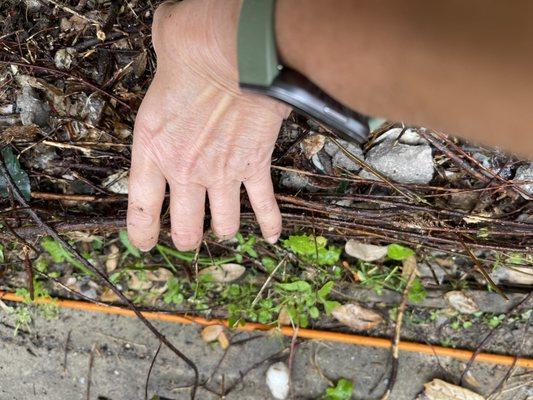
(313, 144)
(136, 284)
(108, 296)
(439, 390)
(284, 318)
(223, 340)
(211, 332)
(364, 251)
(112, 259)
(159, 275)
(357, 317)
(224, 273)
(409, 268)
(461, 302)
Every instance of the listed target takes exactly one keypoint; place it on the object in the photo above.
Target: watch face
(305, 97)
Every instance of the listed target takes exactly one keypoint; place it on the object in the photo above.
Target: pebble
(277, 380)
(293, 180)
(400, 162)
(341, 160)
(64, 57)
(525, 173)
(410, 136)
(32, 109)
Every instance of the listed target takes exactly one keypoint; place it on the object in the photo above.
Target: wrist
(290, 35)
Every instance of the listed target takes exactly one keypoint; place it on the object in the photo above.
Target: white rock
(32, 109)
(410, 136)
(117, 183)
(224, 273)
(341, 160)
(293, 180)
(64, 57)
(525, 173)
(439, 390)
(356, 317)
(364, 251)
(461, 302)
(402, 163)
(513, 274)
(277, 380)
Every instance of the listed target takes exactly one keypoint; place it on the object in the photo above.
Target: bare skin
(461, 67)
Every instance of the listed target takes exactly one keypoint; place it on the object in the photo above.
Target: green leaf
(269, 263)
(342, 391)
(313, 250)
(313, 312)
(59, 254)
(417, 292)
(330, 305)
(324, 290)
(134, 251)
(297, 286)
(2, 258)
(19, 176)
(398, 252)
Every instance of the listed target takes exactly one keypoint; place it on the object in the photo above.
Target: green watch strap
(256, 43)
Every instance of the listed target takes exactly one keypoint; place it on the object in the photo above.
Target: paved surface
(33, 364)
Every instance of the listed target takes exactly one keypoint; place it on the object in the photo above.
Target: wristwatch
(261, 72)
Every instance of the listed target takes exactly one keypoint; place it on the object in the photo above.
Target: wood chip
(439, 390)
(364, 251)
(357, 317)
(224, 273)
(211, 333)
(461, 302)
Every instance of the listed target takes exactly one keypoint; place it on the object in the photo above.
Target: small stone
(525, 173)
(400, 162)
(64, 57)
(515, 275)
(277, 380)
(364, 251)
(32, 109)
(293, 180)
(33, 5)
(461, 302)
(117, 183)
(409, 136)
(341, 160)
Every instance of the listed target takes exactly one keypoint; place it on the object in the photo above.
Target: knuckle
(226, 231)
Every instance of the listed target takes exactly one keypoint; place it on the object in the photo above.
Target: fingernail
(272, 239)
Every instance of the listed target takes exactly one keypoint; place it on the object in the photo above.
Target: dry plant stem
(364, 165)
(491, 334)
(395, 352)
(480, 268)
(258, 296)
(68, 75)
(90, 372)
(150, 370)
(50, 231)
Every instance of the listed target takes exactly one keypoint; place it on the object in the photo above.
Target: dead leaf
(108, 296)
(283, 317)
(461, 302)
(223, 340)
(159, 275)
(136, 284)
(224, 273)
(357, 317)
(439, 390)
(211, 332)
(117, 182)
(365, 252)
(409, 268)
(112, 259)
(313, 144)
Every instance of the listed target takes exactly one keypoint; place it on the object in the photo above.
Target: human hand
(197, 131)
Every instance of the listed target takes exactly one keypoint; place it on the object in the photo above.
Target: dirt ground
(36, 365)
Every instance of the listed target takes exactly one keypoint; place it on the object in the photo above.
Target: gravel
(341, 160)
(525, 173)
(402, 163)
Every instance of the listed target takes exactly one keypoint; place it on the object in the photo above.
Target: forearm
(462, 67)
